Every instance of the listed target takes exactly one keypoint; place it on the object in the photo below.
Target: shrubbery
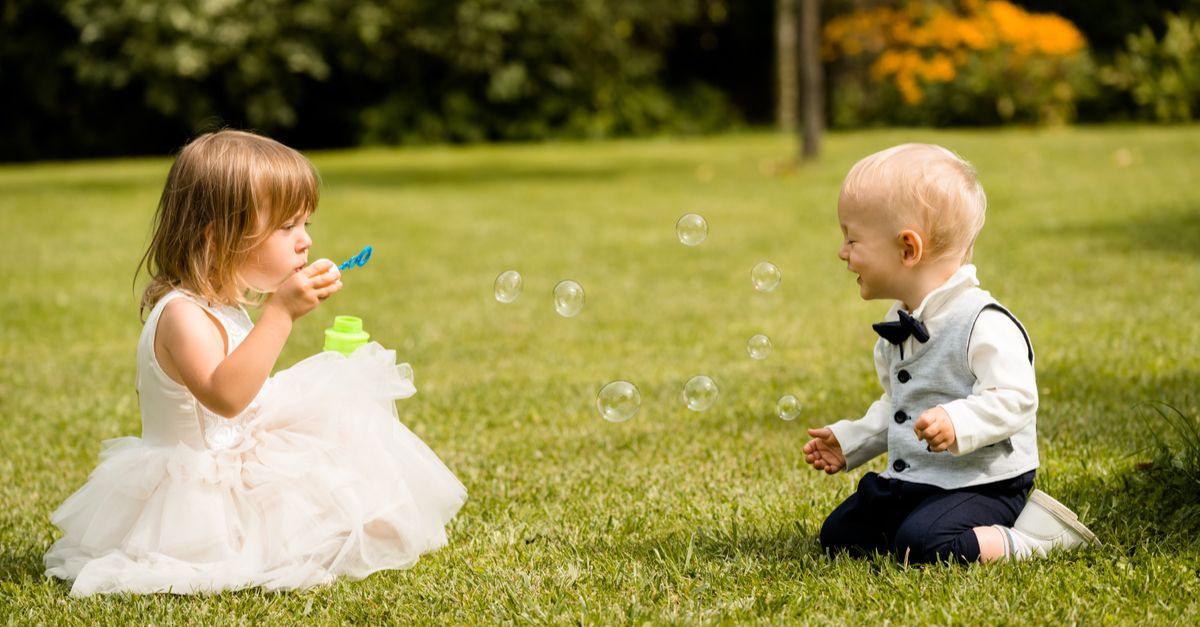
(1161, 75)
(984, 62)
(89, 77)
(399, 70)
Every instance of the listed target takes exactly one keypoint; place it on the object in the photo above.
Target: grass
(1093, 239)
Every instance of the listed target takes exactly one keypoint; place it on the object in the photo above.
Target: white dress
(316, 479)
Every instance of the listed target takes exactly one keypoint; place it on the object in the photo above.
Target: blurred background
(85, 78)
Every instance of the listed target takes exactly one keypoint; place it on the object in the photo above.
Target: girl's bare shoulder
(187, 333)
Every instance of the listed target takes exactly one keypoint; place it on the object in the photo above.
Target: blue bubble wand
(360, 259)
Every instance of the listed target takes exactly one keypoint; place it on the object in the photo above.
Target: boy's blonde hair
(926, 186)
(226, 192)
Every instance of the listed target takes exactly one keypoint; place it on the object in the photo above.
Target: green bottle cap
(345, 335)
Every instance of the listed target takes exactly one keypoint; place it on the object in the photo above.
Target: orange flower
(922, 44)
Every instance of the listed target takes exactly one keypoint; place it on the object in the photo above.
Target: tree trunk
(812, 80)
(787, 106)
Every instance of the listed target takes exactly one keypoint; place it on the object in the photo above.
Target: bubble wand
(347, 334)
(360, 259)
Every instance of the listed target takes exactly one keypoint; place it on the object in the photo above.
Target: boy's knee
(836, 538)
(919, 547)
(912, 547)
(830, 537)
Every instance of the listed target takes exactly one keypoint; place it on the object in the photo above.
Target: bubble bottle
(345, 335)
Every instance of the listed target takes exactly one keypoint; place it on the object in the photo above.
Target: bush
(974, 62)
(398, 71)
(1161, 76)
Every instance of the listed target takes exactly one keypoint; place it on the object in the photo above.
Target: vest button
(900, 417)
(903, 376)
(899, 465)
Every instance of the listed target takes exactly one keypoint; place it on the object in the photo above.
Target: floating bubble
(568, 298)
(508, 286)
(759, 347)
(766, 276)
(788, 407)
(618, 401)
(700, 392)
(692, 229)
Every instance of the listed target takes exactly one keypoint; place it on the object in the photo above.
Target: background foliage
(1162, 75)
(97, 77)
(990, 62)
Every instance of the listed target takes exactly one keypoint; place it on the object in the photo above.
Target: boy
(958, 412)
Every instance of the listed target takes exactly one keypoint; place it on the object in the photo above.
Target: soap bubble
(692, 229)
(508, 286)
(765, 276)
(618, 401)
(568, 298)
(788, 407)
(759, 347)
(700, 392)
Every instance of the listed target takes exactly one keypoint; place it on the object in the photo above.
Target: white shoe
(1046, 525)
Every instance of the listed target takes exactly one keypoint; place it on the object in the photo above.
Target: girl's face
(282, 254)
(871, 250)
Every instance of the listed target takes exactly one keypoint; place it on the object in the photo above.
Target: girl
(241, 479)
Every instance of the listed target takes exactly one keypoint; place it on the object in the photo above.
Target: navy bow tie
(897, 331)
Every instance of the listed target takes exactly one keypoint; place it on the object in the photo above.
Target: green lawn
(1093, 239)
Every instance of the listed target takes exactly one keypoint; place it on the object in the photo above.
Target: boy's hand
(934, 426)
(823, 451)
(304, 290)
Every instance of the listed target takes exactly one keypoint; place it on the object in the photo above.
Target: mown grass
(1093, 239)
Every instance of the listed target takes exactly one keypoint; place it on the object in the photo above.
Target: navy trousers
(920, 523)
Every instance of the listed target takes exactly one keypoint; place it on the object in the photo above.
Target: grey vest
(937, 372)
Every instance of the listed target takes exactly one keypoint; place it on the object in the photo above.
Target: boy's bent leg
(865, 522)
(942, 528)
(1043, 526)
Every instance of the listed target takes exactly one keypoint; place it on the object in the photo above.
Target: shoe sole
(1064, 514)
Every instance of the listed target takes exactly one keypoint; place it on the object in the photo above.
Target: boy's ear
(912, 247)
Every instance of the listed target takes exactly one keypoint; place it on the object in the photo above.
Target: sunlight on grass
(674, 515)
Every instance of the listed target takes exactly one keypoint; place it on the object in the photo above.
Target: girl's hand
(823, 451)
(303, 291)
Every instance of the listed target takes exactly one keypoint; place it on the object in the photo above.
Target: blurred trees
(91, 77)
(1162, 75)
(986, 62)
(787, 56)
(406, 70)
(980, 62)
(329, 72)
(812, 80)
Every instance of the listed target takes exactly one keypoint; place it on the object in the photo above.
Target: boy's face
(871, 250)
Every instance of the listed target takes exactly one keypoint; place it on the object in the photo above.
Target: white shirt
(1003, 400)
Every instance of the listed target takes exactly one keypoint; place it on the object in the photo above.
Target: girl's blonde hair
(225, 194)
(926, 186)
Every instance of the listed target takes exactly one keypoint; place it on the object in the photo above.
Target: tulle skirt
(321, 481)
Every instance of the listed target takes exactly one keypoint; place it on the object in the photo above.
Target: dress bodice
(171, 414)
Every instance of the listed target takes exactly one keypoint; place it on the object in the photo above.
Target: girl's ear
(912, 247)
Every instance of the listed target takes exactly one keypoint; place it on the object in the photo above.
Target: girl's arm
(194, 346)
